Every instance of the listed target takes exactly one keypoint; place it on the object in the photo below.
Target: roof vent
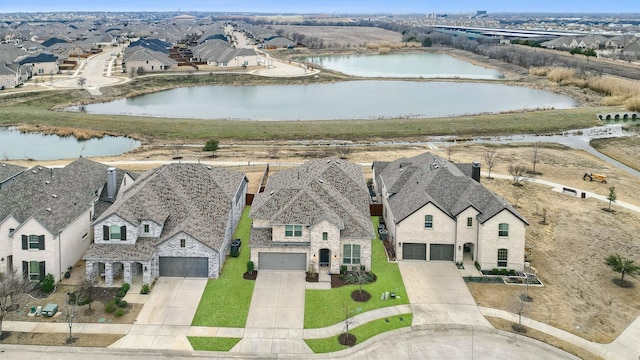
(208, 167)
(33, 171)
(39, 167)
(328, 161)
(3, 165)
(401, 170)
(54, 196)
(321, 181)
(49, 209)
(47, 182)
(338, 161)
(272, 192)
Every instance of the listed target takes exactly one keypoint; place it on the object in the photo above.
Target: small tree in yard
(11, 286)
(449, 150)
(70, 316)
(612, 196)
(81, 82)
(490, 160)
(343, 151)
(84, 290)
(518, 172)
(211, 145)
(360, 277)
(622, 265)
(535, 157)
(346, 338)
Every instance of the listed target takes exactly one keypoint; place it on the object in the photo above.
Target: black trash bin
(235, 247)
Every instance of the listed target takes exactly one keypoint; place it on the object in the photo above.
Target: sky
(328, 6)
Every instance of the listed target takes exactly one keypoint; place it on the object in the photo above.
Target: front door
(324, 257)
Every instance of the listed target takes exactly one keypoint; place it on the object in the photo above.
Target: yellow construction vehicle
(595, 177)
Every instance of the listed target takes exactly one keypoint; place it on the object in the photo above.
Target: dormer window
(146, 228)
(114, 232)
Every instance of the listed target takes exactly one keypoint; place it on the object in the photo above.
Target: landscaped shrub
(503, 272)
(478, 266)
(116, 300)
(495, 271)
(72, 298)
(48, 283)
(120, 312)
(123, 304)
(125, 287)
(250, 267)
(121, 293)
(110, 307)
(343, 269)
(145, 289)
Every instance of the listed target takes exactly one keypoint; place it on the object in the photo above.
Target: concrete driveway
(276, 314)
(165, 318)
(438, 295)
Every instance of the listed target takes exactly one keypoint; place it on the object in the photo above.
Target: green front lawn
(212, 343)
(362, 333)
(225, 301)
(326, 307)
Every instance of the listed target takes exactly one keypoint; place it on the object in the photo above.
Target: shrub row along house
(179, 219)
(437, 210)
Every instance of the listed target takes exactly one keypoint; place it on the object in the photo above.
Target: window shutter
(123, 233)
(25, 242)
(105, 232)
(25, 270)
(41, 242)
(42, 271)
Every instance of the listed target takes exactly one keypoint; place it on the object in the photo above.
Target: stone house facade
(176, 220)
(314, 216)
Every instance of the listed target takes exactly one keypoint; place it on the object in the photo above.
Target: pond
(16, 145)
(368, 99)
(418, 65)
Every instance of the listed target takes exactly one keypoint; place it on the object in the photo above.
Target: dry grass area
(545, 338)
(345, 36)
(58, 339)
(624, 149)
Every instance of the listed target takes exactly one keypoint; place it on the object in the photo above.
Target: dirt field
(345, 36)
(625, 149)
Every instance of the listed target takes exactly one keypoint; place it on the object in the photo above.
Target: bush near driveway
(326, 307)
(362, 333)
(225, 301)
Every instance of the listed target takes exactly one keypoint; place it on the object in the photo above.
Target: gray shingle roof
(193, 198)
(54, 197)
(427, 178)
(327, 189)
(142, 250)
(9, 170)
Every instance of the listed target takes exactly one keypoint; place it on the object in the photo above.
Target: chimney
(475, 171)
(111, 183)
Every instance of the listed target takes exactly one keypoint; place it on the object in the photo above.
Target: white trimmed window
(114, 232)
(503, 257)
(503, 230)
(146, 228)
(34, 242)
(325, 236)
(34, 271)
(469, 222)
(428, 221)
(293, 230)
(351, 254)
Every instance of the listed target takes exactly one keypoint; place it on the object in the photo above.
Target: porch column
(108, 273)
(146, 273)
(127, 272)
(88, 269)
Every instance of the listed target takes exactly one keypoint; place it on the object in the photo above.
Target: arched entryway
(325, 258)
(469, 252)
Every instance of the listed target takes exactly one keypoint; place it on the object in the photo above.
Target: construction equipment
(595, 177)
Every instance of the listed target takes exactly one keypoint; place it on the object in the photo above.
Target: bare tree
(535, 157)
(449, 150)
(11, 286)
(517, 194)
(179, 147)
(359, 277)
(273, 151)
(84, 291)
(82, 82)
(343, 151)
(132, 72)
(72, 308)
(518, 172)
(490, 160)
(349, 320)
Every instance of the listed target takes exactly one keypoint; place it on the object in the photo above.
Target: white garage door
(282, 261)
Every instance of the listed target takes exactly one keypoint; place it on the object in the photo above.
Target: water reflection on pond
(17, 145)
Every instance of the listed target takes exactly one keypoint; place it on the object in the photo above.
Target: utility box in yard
(50, 310)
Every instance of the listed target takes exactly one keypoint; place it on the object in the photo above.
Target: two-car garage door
(184, 266)
(282, 261)
(418, 251)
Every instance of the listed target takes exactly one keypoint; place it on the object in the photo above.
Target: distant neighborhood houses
(625, 44)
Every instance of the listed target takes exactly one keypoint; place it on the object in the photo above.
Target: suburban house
(143, 59)
(12, 75)
(220, 53)
(313, 216)
(45, 216)
(176, 220)
(42, 63)
(437, 210)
